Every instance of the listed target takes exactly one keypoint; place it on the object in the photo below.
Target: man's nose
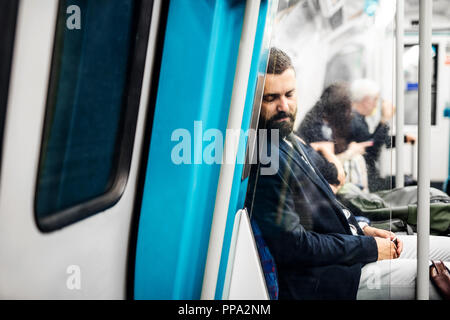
(283, 104)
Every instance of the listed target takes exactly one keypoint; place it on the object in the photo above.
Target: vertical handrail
(423, 206)
(231, 147)
(400, 100)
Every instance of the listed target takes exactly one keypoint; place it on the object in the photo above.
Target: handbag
(440, 277)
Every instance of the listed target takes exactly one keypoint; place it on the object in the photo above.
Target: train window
(92, 105)
(411, 61)
(8, 15)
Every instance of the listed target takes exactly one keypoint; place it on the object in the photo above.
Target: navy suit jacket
(305, 228)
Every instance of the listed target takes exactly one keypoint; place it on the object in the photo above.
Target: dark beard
(284, 128)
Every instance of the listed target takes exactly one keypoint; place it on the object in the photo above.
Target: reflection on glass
(334, 226)
(325, 98)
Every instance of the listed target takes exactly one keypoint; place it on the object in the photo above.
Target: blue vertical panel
(239, 188)
(197, 73)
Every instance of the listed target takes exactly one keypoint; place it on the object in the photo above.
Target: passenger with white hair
(365, 95)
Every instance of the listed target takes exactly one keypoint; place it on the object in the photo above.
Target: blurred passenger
(320, 250)
(365, 94)
(330, 117)
(325, 127)
(329, 120)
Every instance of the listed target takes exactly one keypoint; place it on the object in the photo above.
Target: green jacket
(399, 203)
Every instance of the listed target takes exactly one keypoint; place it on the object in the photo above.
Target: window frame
(8, 21)
(140, 31)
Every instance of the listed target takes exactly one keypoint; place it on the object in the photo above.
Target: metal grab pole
(400, 101)
(423, 205)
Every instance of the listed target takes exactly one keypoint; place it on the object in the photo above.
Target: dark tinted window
(91, 109)
(8, 15)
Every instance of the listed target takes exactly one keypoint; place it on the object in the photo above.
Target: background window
(411, 63)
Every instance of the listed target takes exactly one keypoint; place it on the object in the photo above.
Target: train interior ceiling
(103, 194)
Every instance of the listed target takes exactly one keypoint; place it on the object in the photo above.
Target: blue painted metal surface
(447, 111)
(239, 188)
(197, 73)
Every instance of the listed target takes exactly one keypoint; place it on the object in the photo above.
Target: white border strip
(232, 255)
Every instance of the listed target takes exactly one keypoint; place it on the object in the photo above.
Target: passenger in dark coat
(317, 244)
(365, 96)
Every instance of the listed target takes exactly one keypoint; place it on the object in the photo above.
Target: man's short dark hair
(279, 61)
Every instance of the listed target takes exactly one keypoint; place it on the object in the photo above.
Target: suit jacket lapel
(316, 176)
(295, 155)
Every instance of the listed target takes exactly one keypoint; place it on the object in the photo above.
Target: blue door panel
(197, 73)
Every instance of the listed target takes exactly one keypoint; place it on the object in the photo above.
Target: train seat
(267, 262)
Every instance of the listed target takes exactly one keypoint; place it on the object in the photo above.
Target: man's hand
(375, 232)
(356, 148)
(410, 139)
(379, 235)
(387, 111)
(326, 147)
(386, 249)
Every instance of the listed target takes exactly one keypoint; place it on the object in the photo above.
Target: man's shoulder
(295, 136)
